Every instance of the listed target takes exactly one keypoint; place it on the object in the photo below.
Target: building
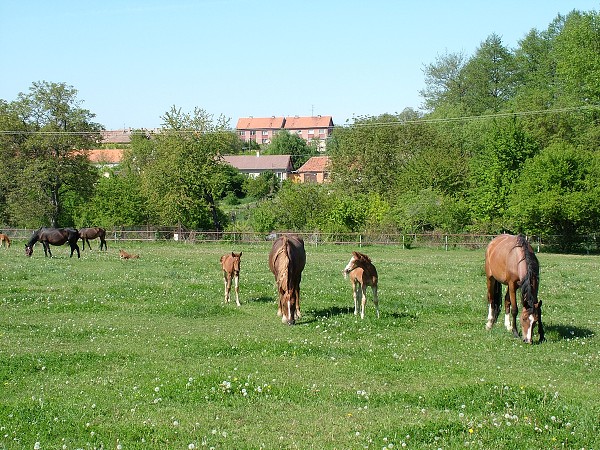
(315, 170)
(253, 166)
(262, 130)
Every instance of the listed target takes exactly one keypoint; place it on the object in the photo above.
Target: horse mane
(529, 286)
(34, 238)
(363, 257)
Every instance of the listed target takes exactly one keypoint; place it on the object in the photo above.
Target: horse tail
(529, 286)
(283, 278)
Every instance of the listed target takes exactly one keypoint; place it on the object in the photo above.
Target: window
(242, 133)
(252, 132)
(311, 131)
(265, 133)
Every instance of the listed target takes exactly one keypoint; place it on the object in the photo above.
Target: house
(315, 170)
(114, 137)
(253, 166)
(259, 130)
(311, 128)
(106, 157)
(262, 130)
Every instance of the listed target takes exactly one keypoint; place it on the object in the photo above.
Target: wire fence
(572, 244)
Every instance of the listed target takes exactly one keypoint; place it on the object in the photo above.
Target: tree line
(507, 140)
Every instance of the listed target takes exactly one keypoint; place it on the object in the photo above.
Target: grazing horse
(54, 236)
(92, 233)
(286, 261)
(230, 264)
(510, 260)
(124, 255)
(4, 240)
(362, 274)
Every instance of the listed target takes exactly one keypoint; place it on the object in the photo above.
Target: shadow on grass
(262, 299)
(567, 332)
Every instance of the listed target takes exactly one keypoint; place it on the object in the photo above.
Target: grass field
(103, 353)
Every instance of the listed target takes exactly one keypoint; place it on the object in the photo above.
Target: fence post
(360, 240)
(446, 237)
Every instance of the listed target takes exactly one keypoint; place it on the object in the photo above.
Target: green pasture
(103, 353)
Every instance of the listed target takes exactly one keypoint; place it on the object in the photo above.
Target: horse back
(505, 259)
(288, 255)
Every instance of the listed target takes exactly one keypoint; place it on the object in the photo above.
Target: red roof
(315, 164)
(260, 123)
(105, 156)
(305, 123)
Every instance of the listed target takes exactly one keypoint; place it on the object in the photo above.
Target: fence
(580, 243)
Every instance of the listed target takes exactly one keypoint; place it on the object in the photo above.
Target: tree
(286, 143)
(51, 155)
(181, 174)
(557, 192)
(444, 81)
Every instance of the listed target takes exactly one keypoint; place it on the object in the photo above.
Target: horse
(4, 240)
(54, 236)
(230, 264)
(286, 261)
(92, 233)
(510, 260)
(362, 274)
(124, 255)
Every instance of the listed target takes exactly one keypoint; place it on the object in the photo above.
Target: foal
(230, 264)
(4, 240)
(362, 274)
(124, 255)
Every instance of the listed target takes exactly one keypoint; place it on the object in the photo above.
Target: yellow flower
(470, 430)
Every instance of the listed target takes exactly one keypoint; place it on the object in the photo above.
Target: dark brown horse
(230, 263)
(92, 233)
(286, 260)
(54, 236)
(362, 274)
(510, 260)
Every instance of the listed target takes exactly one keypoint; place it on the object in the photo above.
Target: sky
(131, 61)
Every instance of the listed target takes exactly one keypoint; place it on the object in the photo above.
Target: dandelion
(37, 446)
(191, 447)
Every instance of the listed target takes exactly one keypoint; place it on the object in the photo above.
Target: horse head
(356, 260)
(529, 317)
(235, 262)
(28, 250)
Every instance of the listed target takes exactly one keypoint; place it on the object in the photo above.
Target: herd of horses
(509, 260)
(60, 236)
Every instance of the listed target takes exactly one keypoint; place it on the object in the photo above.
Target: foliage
(286, 143)
(265, 185)
(48, 150)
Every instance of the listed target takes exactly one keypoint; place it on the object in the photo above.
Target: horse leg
(47, 251)
(541, 327)
(236, 279)
(355, 295)
(363, 302)
(375, 299)
(494, 292)
(103, 244)
(297, 290)
(510, 304)
(73, 248)
(227, 283)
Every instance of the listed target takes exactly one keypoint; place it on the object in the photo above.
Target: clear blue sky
(132, 60)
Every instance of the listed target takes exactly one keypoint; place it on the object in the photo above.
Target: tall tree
(286, 143)
(181, 173)
(51, 155)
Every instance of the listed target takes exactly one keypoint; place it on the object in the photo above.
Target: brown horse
(124, 255)
(510, 260)
(4, 240)
(92, 233)
(230, 264)
(54, 236)
(286, 261)
(362, 274)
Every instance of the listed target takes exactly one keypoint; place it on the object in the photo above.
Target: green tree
(265, 185)
(181, 174)
(286, 143)
(51, 157)
(557, 192)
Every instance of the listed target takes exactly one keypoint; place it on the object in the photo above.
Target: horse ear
(233, 254)
(539, 304)
(240, 255)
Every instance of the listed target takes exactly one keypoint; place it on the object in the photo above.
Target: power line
(369, 124)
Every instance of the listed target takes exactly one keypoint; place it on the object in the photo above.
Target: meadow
(103, 353)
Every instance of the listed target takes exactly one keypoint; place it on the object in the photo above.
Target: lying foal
(230, 264)
(362, 274)
(4, 240)
(124, 255)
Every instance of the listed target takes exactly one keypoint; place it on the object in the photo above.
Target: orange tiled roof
(105, 156)
(315, 164)
(302, 123)
(260, 123)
